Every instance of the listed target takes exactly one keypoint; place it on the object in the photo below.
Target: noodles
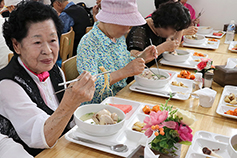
(106, 82)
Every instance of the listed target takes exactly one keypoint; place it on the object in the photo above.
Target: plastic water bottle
(230, 34)
(197, 83)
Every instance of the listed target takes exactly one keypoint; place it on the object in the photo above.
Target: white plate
(115, 100)
(125, 136)
(164, 92)
(110, 140)
(232, 60)
(212, 141)
(232, 44)
(189, 63)
(205, 45)
(223, 106)
(212, 36)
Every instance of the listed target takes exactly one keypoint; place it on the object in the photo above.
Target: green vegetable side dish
(119, 120)
(159, 75)
(87, 116)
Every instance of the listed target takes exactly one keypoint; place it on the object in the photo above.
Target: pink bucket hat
(121, 12)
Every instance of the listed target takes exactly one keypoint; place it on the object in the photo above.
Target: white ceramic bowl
(205, 29)
(193, 62)
(182, 57)
(150, 83)
(232, 141)
(200, 40)
(98, 130)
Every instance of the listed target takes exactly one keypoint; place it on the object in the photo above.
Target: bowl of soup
(150, 80)
(232, 146)
(195, 40)
(99, 120)
(204, 30)
(176, 56)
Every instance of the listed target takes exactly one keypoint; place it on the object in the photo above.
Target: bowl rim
(205, 26)
(230, 144)
(188, 53)
(195, 40)
(153, 80)
(123, 120)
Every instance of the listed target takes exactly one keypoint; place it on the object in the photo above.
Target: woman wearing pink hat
(105, 46)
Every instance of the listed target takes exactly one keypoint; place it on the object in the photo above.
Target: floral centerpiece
(169, 127)
(204, 66)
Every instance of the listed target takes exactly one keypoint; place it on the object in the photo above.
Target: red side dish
(123, 107)
(217, 34)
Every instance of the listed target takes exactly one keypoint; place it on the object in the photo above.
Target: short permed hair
(25, 14)
(171, 15)
(159, 2)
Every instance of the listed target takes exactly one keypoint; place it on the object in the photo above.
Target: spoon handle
(156, 59)
(89, 141)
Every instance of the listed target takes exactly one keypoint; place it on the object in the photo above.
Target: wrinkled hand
(135, 67)
(98, 2)
(191, 30)
(95, 10)
(170, 45)
(196, 21)
(82, 90)
(149, 53)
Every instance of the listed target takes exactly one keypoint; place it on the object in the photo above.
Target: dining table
(207, 118)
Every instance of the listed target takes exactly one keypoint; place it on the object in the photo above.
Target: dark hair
(173, 15)
(25, 14)
(159, 2)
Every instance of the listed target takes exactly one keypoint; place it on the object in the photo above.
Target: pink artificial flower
(205, 60)
(201, 65)
(204, 64)
(157, 118)
(184, 132)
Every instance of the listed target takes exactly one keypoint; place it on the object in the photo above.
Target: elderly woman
(195, 21)
(105, 46)
(164, 29)
(30, 112)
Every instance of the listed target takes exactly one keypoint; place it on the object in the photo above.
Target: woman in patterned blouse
(105, 46)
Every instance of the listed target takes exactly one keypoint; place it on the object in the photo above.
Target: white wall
(145, 7)
(217, 12)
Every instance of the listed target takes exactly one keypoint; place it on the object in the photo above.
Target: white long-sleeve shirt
(11, 149)
(4, 50)
(27, 119)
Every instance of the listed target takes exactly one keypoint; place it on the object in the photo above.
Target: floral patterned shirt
(96, 49)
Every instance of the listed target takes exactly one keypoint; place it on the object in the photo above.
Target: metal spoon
(200, 14)
(117, 147)
(156, 61)
(195, 36)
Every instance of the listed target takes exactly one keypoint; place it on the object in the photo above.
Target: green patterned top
(96, 49)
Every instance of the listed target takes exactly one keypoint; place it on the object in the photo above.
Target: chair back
(88, 29)
(10, 55)
(69, 68)
(66, 44)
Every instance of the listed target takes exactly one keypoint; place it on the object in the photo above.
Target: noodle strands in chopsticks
(106, 83)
